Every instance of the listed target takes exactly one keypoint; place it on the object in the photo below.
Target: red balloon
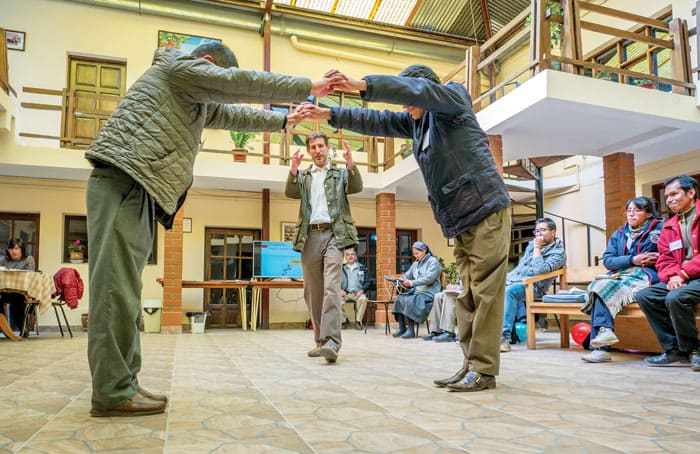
(580, 332)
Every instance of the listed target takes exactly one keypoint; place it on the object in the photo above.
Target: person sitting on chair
(422, 281)
(353, 285)
(443, 317)
(16, 258)
(630, 256)
(544, 254)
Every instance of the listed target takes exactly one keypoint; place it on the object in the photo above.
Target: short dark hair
(645, 203)
(15, 242)
(420, 71)
(316, 135)
(550, 224)
(222, 55)
(686, 183)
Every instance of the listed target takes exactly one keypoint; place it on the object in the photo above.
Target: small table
(33, 285)
(257, 287)
(239, 285)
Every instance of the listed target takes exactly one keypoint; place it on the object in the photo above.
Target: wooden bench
(631, 326)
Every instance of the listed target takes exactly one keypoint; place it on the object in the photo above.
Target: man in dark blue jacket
(465, 190)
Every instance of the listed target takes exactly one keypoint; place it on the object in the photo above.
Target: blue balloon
(521, 331)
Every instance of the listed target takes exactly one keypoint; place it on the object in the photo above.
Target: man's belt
(320, 227)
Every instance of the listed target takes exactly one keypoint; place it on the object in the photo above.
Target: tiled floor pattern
(258, 392)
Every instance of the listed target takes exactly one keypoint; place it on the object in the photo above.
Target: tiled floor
(257, 392)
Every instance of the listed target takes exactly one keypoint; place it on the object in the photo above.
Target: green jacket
(154, 133)
(339, 183)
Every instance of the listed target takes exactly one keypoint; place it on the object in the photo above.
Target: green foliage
(242, 139)
(452, 274)
(643, 81)
(555, 29)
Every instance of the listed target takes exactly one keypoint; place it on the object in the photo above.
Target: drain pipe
(284, 26)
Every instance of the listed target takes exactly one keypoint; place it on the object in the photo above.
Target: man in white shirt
(353, 287)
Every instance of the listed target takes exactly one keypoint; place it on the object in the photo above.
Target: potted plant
(451, 274)
(604, 75)
(241, 141)
(646, 83)
(76, 251)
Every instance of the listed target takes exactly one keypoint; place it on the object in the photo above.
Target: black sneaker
(695, 360)
(672, 358)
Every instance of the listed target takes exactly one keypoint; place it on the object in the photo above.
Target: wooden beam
(486, 18)
(506, 30)
(623, 15)
(33, 105)
(42, 91)
(604, 29)
(503, 49)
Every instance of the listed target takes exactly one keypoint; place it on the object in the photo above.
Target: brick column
(386, 248)
(618, 177)
(496, 147)
(172, 284)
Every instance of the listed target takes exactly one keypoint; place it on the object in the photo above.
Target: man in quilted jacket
(143, 160)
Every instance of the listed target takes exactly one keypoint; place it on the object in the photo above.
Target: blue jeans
(515, 293)
(600, 318)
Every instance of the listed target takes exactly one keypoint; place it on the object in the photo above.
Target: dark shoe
(330, 352)
(150, 395)
(459, 376)
(399, 332)
(314, 352)
(695, 360)
(446, 337)
(431, 336)
(358, 326)
(409, 334)
(346, 324)
(474, 381)
(138, 405)
(672, 358)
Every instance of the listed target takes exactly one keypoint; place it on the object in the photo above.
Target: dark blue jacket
(452, 151)
(617, 256)
(345, 278)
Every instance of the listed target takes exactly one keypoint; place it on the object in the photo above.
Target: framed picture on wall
(15, 40)
(288, 229)
(450, 242)
(182, 41)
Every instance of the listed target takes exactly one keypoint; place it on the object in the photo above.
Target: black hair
(645, 203)
(550, 224)
(420, 71)
(222, 55)
(316, 135)
(15, 242)
(685, 182)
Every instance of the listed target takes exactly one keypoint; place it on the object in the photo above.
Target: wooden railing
(534, 30)
(4, 67)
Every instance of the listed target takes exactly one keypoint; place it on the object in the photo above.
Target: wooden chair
(566, 276)
(390, 288)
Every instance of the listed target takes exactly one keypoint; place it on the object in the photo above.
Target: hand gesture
(315, 113)
(296, 160)
(348, 155)
(326, 85)
(297, 116)
(346, 83)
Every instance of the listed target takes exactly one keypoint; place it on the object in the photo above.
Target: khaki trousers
(322, 262)
(120, 236)
(481, 254)
(356, 311)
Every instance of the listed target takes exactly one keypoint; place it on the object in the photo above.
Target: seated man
(545, 253)
(670, 304)
(353, 286)
(443, 318)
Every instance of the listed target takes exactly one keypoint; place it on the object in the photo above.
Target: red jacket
(69, 286)
(670, 262)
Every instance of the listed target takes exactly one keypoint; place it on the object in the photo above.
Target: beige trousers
(356, 312)
(481, 254)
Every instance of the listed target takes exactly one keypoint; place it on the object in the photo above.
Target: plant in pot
(452, 274)
(242, 143)
(646, 83)
(76, 251)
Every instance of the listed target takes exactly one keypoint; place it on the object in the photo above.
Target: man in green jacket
(324, 230)
(143, 162)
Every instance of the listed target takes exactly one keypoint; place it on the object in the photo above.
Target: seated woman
(630, 257)
(423, 281)
(15, 259)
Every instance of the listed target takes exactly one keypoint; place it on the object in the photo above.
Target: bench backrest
(581, 276)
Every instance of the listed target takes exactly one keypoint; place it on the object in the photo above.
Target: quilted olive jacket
(154, 133)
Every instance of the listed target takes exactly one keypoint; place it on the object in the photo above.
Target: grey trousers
(481, 254)
(120, 237)
(322, 262)
(443, 314)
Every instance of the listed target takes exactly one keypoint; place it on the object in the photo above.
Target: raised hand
(296, 161)
(327, 85)
(348, 155)
(344, 82)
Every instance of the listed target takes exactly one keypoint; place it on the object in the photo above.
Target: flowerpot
(77, 257)
(652, 86)
(84, 321)
(240, 155)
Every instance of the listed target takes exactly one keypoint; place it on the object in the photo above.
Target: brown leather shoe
(474, 381)
(150, 395)
(314, 352)
(138, 405)
(459, 376)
